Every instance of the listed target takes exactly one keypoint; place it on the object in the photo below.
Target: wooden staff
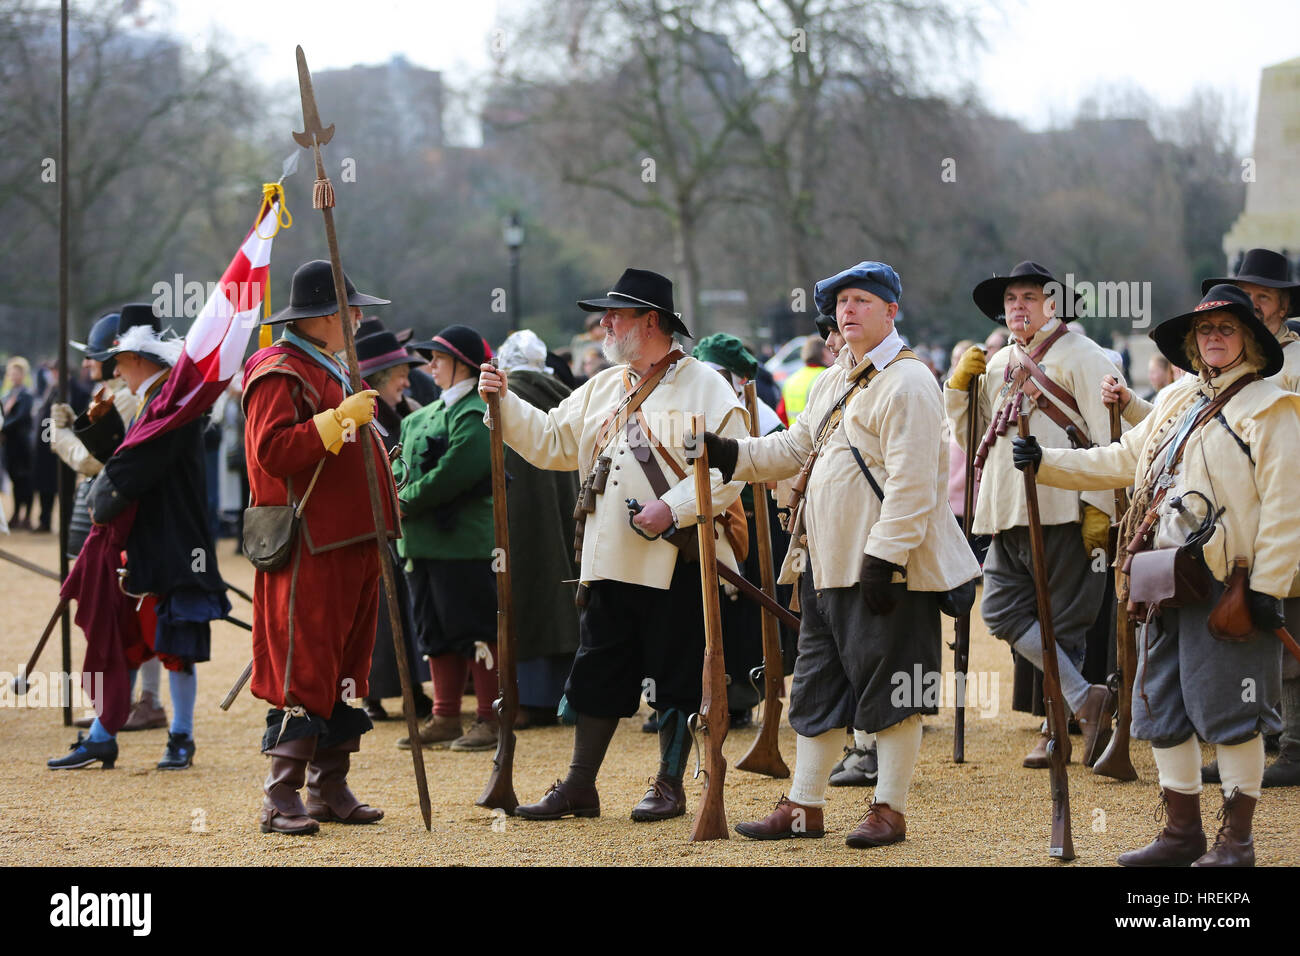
(1115, 761)
(765, 753)
(1062, 845)
(500, 791)
(712, 720)
(20, 682)
(313, 137)
(961, 641)
(66, 478)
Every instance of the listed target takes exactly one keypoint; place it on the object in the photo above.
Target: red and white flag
(218, 339)
(214, 351)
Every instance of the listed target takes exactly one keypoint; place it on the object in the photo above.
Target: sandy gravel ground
(987, 811)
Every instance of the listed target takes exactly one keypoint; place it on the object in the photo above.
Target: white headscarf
(523, 349)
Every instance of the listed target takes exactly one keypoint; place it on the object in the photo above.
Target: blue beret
(874, 277)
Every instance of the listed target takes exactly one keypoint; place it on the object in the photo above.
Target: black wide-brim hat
(381, 350)
(1170, 334)
(140, 331)
(640, 289)
(312, 294)
(1263, 267)
(988, 294)
(459, 341)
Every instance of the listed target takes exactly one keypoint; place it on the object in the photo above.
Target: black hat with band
(1170, 334)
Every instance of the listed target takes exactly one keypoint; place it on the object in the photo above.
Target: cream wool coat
(1261, 523)
(1077, 364)
(896, 424)
(564, 438)
(69, 447)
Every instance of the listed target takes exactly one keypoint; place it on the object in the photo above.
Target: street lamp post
(513, 233)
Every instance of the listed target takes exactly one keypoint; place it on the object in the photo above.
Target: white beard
(625, 353)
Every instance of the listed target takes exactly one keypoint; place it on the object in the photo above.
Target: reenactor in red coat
(314, 617)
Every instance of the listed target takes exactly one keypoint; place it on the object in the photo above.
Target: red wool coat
(336, 595)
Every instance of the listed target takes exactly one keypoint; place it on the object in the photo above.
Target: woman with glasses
(1211, 465)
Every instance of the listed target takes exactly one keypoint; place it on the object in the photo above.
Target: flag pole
(62, 470)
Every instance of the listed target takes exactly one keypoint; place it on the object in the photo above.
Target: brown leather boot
(1234, 845)
(282, 809)
(879, 826)
(562, 800)
(1095, 718)
(1036, 759)
(664, 800)
(787, 820)
(1181, 841)
(329, 799)
(146, 714)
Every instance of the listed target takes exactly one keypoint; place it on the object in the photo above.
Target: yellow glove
(1096, 529)
(973, 362)
(353, 412)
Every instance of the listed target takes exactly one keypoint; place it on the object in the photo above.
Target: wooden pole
(314, 131)
(961, 627)
(65, 475)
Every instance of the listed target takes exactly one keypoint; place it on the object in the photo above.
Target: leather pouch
(1168, 577)
(269, 530)
(1230, 618)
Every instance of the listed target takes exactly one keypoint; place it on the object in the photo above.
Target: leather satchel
(1168, 577)
(269, 530)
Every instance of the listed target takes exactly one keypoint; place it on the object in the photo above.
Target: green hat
(727, 351)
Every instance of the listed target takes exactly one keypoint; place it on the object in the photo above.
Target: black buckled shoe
(85, 752)
(859, 768)
(179, 754)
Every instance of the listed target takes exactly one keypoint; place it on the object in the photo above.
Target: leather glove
(62, 415)
(1266, 611)
(973, 362)
(1025, 453)
(877, 587)
(1096, 529)
(723, 453)
(355, 411)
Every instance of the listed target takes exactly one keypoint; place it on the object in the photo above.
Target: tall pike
(1062, 844)
(313, 136)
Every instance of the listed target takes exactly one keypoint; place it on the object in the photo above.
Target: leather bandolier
(615, 422)
(830, 422)
(1022, 368)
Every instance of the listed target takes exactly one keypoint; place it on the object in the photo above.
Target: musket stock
(1061, 846)
(764, 754)
(500, 791)
(713, 719)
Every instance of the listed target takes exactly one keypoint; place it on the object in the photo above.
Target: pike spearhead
(312, 128)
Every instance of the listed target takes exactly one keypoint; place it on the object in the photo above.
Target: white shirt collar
(450, 396)
(143, 390)
(887, 350)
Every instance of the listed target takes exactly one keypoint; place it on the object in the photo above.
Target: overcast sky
(1042, 56)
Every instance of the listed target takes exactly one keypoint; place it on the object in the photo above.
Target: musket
(1062, 845)
(500, 791)
(961, 636)
(681, 538)
(712, 721)
(764, 754)
(313, 137)
(1115, 761)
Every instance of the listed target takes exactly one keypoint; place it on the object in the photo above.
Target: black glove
(881, 595)
(1266, 611)
(1025, 453)
(722, 453)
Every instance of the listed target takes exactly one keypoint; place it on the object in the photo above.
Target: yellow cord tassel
(272, 193)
